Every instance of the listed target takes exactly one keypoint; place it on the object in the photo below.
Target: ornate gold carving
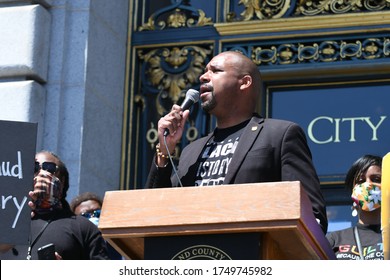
(386, 46)
(308, 52)
(286, 54)
(307, 24)
(152, 135)
(202, 20)
(172, 70)
(261, 55)
(140, 101)
(350, 49)
(251, 7)
(272, 9)
(192, 133)
(316, 7)
(372, 49)
(326, 51)
(177, 19)
(256, 9)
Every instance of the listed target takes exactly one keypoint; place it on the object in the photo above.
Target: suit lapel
(248, 137)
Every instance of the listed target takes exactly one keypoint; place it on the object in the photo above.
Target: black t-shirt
(217, 154)
(345, 247)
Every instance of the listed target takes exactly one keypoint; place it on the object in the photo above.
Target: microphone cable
(170, 158)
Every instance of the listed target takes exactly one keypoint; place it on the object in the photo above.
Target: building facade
(63, 65)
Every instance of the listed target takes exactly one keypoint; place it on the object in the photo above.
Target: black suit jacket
(269, 150)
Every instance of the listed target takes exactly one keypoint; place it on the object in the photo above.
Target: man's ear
(246, 82)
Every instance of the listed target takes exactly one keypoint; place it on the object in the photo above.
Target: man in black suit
(244, 147)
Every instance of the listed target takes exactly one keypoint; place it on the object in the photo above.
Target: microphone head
(193, 95)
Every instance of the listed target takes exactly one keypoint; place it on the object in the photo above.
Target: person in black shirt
(89, 205)
(364, 240)
(74, 237)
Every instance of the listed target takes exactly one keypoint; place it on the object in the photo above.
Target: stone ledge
(25, 36)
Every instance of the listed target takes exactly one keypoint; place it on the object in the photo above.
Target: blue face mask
(94, 220)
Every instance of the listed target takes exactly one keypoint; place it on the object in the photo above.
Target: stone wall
(63, 65)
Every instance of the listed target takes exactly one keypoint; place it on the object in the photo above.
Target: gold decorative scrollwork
(272, 9)
(173, 70)
(386, 46)
(267, 9)
(261, 55)
(177, 19)
(138, 99)
(350, 49)
(152, 135)
(371, 48)
(202, 20)
(286, 54)
(326, 51)
(316, 7)
(192, 133)
(308, 52)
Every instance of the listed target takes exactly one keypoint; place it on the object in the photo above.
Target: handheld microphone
(192, 96)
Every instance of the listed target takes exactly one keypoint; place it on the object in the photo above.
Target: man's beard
(209, 105)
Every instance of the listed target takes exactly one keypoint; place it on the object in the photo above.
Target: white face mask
(367, 196)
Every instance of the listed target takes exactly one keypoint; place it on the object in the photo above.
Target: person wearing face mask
(74, 237)
(364, 240)
(88, 205)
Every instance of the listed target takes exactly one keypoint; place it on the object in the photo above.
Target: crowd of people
(244, 147)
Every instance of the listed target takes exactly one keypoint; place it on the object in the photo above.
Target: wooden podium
(280, 212)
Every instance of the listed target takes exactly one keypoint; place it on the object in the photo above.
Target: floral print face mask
(367, 196)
